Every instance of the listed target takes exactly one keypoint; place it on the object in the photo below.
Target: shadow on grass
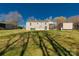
(24, 37)
(25, 42)
(42, 45)
(8, 45)
(57, 47)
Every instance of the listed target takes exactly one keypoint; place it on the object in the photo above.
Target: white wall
(39, 26)
(67, 26)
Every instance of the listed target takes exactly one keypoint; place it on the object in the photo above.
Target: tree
(59, 21)
(14, 18)
(31, 18)
(75, 21)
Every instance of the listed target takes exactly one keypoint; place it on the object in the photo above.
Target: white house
(67, 26)
(40, 25)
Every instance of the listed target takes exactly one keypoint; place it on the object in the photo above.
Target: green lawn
(68, 39)
(35, 43)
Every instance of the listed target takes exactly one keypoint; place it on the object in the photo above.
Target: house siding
(38, 25)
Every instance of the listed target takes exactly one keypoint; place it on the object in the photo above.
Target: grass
(9, 32)
(67, 38)
(35, 43)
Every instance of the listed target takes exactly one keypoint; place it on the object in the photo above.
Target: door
(45, 27)
(32, 28)
(51, 26)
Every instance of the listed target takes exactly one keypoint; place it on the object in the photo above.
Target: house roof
(39, 20)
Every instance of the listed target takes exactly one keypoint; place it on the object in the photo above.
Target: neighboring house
(67, 26)
(7, 26)
(40, 25)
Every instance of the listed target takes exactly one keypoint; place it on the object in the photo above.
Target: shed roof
(6, 23)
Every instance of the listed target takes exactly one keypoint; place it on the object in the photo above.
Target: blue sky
(41, 11)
